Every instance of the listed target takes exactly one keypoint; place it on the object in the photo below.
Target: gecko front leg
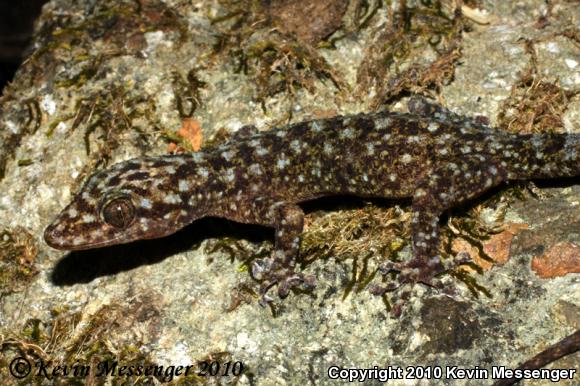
(288, 221)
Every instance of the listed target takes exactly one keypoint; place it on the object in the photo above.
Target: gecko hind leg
(452, 183)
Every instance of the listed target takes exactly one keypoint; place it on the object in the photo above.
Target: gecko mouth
(58, 240)
(63, 240)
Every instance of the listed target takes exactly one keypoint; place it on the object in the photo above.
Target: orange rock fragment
(462, 246)
(191, 132)
(499, 245)
(558, 260)
(172, 148)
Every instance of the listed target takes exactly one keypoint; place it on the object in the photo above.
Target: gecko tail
(547, 155)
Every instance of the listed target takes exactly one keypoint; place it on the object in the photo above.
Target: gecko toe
(261, 268)
(296, 280)
(265, 300)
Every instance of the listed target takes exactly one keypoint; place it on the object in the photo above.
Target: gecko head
(132, 200)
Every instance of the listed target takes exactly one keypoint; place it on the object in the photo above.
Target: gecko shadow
(557, 182)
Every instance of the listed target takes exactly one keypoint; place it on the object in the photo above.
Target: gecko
(435, 157)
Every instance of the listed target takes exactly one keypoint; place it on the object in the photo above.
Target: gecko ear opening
(118, 212)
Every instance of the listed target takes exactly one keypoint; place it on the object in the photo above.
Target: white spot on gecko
(230, 175)
(346, 133)
(433, 127)
(261, 151)
(88, 218)
(183, 186)
(328, 149)
(228, 155)
(203, 172)
(171, 198)
(282, 162)
(296, 146)
(255, 169)
(316, 127)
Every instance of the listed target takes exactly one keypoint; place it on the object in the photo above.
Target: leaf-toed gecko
(432, 155)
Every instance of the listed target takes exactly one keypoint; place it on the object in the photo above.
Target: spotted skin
(437, 158)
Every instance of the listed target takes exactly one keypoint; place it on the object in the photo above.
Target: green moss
(25, 162)
(410, 32)
(359, 19)
(187, 93)
(276, 63)
(110, 113)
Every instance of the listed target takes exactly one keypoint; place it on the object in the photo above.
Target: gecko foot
(415, 271)
(422, 270)
(270, 273)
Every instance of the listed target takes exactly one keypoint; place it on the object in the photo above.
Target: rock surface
(108, 81)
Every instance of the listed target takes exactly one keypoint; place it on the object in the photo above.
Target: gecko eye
(118, 212)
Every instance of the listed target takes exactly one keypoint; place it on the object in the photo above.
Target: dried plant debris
(572, 33)
(187, 92)
(419, 79)
(112, 334)
(17, 254)
(69, 39)
(357, 17)
(108, 114)
(187, 139)
(282, 66)
(271, 43)
(535, 104)
(243, 293)
(367, 235)
(25, 114)
(306, 22)
(75, 50)
(310, 22)
(370, 235)
(410, 32)
(345, 233)
(471, 9)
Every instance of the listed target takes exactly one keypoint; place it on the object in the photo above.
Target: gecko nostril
(50, 236)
